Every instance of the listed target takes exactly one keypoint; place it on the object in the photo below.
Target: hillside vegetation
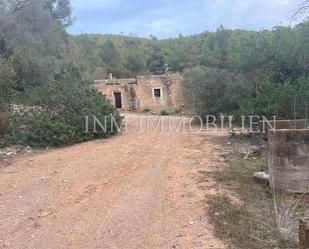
(227, 71)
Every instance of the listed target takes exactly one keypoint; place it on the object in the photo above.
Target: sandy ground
(135, 190)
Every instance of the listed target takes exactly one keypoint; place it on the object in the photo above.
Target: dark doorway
(118, 100)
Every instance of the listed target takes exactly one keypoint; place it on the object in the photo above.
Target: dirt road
(135, 190)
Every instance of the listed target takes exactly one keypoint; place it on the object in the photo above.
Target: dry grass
(288, 210)
(244, 228)
(260, 219)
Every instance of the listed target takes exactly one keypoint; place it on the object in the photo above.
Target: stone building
(153, 93)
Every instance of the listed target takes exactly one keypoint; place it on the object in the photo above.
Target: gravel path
(135, 190)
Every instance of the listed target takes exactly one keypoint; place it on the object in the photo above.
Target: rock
(261, 177)
(187, 195)
(255, 152)
(249, 151)
(28, 149)
(45, 214)
(191, 223)
(9, 152)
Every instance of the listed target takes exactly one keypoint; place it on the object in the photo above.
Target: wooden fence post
(304, 234)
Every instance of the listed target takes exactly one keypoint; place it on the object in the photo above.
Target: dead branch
(302, 8)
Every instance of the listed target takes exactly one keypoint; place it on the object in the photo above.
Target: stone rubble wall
(285, 124)
(137, 94)
(289, 160)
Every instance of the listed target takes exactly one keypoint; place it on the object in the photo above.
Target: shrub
(54, 115)
(6, 79)
(3, 120)
(211, 90)
(286, 101)
(3, 115)
(178, 111)
(164, 113)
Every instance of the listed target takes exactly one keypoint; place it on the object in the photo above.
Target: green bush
(178, 111)
(211, 90)
(3, 120)
(6, 79)
(164, 113)
(54, 115)
(286, 101)
(147, 110)
(3, 115)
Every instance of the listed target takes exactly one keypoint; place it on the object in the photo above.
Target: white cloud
(94, 4)
(166, 18)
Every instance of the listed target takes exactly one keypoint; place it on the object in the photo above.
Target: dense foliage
(54, 114)
(228, 71)
(43, 100)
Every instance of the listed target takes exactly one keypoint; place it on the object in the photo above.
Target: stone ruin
(288, 157)
(151, 93)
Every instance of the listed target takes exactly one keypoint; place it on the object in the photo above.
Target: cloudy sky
(169, 18)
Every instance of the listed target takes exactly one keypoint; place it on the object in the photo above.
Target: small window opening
(157, 93)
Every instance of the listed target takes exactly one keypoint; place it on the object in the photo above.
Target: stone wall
(289, 160)
(127, 88)
(285, 124)
(138, 94)
(172, 96)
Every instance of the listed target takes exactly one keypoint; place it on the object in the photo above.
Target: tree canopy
(262, 71)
